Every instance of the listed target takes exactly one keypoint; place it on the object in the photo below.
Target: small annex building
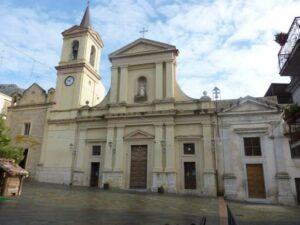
(11, 177)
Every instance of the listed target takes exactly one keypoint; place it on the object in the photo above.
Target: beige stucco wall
(36, 116)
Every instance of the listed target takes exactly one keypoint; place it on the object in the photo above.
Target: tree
(6, 148)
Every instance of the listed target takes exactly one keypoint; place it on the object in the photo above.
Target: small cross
(88, 3)
(143, 31)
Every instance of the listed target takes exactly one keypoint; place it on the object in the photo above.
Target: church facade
(143, 135)
(146, 134)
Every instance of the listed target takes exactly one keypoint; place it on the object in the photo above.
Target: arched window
(75, 48)
(92, 55)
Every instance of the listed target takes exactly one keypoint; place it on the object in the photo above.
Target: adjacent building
(289, 65)
(27, 118)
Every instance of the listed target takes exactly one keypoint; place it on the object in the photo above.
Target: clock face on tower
(69, 80)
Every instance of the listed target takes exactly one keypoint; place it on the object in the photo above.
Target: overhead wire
(26, 54)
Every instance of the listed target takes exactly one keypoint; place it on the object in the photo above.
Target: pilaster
(114, 85)
(170, 79)
(109, 149)
(123, 84)
(159, 81)
(170, 149)
(209, 169)
(119, 150)
(158, 149)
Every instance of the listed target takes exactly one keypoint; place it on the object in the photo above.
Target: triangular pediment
(138, 134)
(78, 30)
(73, 30)
(250, 104)
(142, 46)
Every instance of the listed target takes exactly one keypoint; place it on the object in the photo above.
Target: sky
(224, 43)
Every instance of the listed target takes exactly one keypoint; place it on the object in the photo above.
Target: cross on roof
(143, 31)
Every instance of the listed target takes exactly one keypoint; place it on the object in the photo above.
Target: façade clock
(69, 80)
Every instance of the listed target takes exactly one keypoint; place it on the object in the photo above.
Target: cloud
(227, 43)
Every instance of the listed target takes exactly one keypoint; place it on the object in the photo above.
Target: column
(109, 149)
(123, 84)
(170, 79)
(226, 151)
(281, 146)
(207, 144)
(114, 84)
(209, 170)
(229, 178)
(170, 149)
(158, 149)
(119, 150)
(159, 81)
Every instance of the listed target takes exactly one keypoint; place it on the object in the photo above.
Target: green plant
(6, 149)
(290, 111)
(281, 38)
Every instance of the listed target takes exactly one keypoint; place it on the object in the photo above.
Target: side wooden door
(256, 183)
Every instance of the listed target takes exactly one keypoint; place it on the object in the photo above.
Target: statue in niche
(141, 90)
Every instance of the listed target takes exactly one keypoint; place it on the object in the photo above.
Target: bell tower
(78, 79)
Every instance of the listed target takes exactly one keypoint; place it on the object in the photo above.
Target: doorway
(256, 183)
(94, 181)
(189, 175)
(138, 166)
(23, 162)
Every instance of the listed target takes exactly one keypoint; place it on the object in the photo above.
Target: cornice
(78, 65)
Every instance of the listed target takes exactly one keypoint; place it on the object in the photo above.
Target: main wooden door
(297, 181)
(256, 183)
(189, 175)
(138, 166)
(95, 166)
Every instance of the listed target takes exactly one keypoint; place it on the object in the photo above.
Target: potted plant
(291, 113)
(281, 38)
(160, 189)
(106, 186)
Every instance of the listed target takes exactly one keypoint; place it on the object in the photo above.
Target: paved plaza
(260, 214)
(51, 204)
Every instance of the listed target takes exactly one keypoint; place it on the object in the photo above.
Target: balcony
(289, 54)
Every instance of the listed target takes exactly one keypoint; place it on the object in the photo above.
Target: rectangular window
(295, 152)
(96, 150)
(27, 128)
(189, 148)
(252, 146)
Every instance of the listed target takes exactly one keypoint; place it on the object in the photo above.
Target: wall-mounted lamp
(71, 147)
(110, 144)
(163, 144)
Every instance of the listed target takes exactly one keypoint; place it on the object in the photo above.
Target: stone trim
(258, 130)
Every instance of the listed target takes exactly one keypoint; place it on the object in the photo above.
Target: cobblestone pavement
(50, 204)
(259, 214)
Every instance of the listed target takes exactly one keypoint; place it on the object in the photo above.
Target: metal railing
(287, 48)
